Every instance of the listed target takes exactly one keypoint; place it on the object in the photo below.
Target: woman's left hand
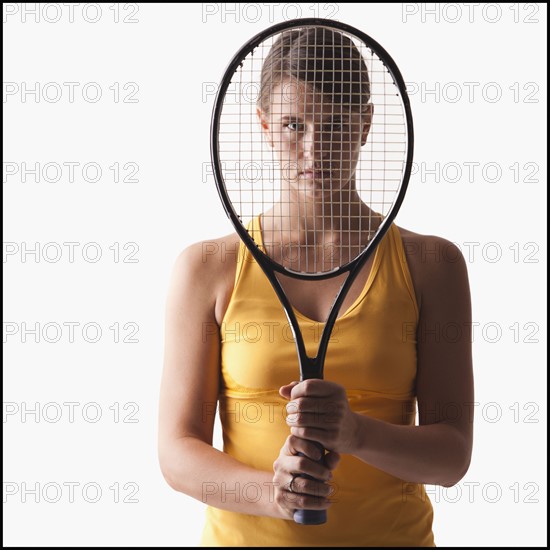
(319, 411)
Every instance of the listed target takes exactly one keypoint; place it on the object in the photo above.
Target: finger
(305, 420)
(315, 388)
(295, 445)
(288, 465)
(285, 391)
(304, 465)
(297, 501)
(319, 434)
(320, 405)
(332, 458)
(312, 487)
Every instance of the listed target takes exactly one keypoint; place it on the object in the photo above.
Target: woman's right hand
(306, 494)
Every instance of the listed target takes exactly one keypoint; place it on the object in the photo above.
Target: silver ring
(290, 487)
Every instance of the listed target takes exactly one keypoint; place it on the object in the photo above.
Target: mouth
(314, 174)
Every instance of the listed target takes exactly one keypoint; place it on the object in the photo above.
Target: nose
(315, 143)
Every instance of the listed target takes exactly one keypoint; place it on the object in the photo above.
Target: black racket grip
(311, 517)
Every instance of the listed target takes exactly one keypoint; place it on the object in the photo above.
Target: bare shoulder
(209, 258)
(208, 268)
(434, 262)
(430, 248)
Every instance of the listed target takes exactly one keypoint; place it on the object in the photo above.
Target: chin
(320, 190)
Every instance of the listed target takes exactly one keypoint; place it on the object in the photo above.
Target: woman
(228, 342)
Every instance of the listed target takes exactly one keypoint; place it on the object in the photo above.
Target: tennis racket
(312, 137)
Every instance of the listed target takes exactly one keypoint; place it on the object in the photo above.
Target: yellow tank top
(371, 356)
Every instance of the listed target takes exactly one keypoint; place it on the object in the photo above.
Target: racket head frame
(267, 264)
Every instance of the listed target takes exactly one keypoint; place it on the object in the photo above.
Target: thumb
(285, 390)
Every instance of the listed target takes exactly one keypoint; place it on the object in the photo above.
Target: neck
(340, 218)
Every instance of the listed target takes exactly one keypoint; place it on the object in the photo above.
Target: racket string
(313, 138)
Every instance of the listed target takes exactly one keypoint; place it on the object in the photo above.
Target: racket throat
(311, 367)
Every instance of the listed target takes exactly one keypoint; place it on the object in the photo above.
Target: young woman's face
(317, 142)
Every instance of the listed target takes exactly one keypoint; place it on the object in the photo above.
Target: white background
(477, 79)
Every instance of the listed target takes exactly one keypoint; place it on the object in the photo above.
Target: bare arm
(438, 450)
(189, 390)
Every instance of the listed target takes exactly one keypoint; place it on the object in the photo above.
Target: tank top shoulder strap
(244, 257)
(397, 259)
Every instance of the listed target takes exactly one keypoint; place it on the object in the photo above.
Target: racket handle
(311, 517)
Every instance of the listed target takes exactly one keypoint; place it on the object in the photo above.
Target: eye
(295, 126)
(336, 126)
